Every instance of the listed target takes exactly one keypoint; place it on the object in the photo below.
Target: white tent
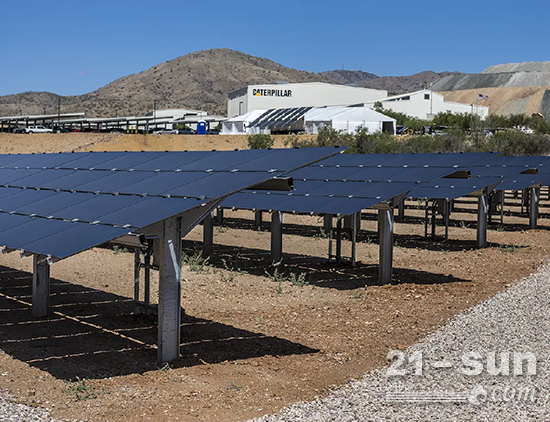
(348, 120)
(240, 125)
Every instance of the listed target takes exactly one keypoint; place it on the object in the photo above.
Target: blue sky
(73, 47)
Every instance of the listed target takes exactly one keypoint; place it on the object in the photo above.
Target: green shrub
(328, 137)
(375, 143)
(422, 143)
(260, 141)
(295, 141)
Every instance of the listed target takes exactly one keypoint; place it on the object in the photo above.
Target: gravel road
(14, 412)
(512, 322)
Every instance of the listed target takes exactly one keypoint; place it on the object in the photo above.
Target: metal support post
(276, 237)
(482, 221)
(534, 207)
(40, 286)
(354, 220)
(446, 215)
(207, 235)
(169, 310)
(434, 222)
(401, 210)
(426, 218)
(258, 219)
(137, 269)
(327, 223)
(338, 240)
(219, 216)
(385, 235)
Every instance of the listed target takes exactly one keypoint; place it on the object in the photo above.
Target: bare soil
(251, 342)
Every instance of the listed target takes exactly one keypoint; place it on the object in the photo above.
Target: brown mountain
(199, 80)
(347, 77)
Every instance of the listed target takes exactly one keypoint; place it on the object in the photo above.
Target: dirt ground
(252, 342)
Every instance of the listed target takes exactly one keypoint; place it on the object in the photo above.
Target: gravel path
(14, 412)
(513, 321)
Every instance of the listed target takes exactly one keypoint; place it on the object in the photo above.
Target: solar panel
(59, 210)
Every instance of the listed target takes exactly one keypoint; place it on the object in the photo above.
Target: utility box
(201, 127)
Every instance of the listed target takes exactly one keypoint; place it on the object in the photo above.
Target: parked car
(19, 130)
(38, 129)
(186, 132)
(166, 132)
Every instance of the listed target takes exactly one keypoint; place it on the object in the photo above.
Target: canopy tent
(240, 125)
(348, 119)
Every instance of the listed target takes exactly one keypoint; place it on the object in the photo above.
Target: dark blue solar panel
(8, 176)
(21, 199)
(440, 193)
(9, 159)
(149, 210)
(37, 178)
(520, 182)
(281, 160)
(128, 161)
(61, 238)
(7, 221)
(47, 160)
(460, 159)
(33, 229)
(355, 160)
(218, 184)
(75, 238)
(86, 207)
(153, 184)
(226, 160)
(174, 160)
(88, 160)
(496, 171)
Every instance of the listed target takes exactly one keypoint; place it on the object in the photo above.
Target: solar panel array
(279, 118)
(62, 204)
(348, 183)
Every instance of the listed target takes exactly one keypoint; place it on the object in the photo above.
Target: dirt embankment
(63, 142)
(503, 101)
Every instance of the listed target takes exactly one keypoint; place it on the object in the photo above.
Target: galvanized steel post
(40, 286)
(207, 235)
(482, 221)
(534, 207)
(169, 308)
(385, 238)
(276, 237)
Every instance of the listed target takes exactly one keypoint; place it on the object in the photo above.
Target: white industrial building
(288, 95)
(426, 104)
(309, 120)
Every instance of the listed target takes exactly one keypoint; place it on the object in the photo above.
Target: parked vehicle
(186, 132)
(19, 130)
(38, 129)
(166, 132)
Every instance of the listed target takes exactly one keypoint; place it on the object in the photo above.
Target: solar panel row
(61, 204)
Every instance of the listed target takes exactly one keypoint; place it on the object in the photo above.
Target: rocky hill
(348, 77)
(199, 80)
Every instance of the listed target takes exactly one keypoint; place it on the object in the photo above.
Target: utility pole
(155, 115)
(58, 110)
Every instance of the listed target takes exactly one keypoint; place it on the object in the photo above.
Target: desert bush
(260, 141)
(374, 143)
(422, 143)
(513, 142)
(295, 141)
(328, 137)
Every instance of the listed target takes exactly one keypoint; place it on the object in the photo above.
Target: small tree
(260, 141)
